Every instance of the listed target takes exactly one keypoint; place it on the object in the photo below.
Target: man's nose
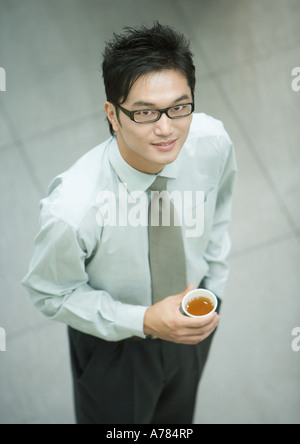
(164, 126)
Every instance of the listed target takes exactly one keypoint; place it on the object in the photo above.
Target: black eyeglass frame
(130, 114)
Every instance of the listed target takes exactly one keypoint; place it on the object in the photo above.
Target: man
(101, 263)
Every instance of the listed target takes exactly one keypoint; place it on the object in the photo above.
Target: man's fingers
(199, 322)
(194, 335)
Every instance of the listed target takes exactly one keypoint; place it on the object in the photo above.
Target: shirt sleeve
(219, 244)
(58, 286)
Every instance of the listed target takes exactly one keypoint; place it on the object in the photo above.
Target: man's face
(149, 147)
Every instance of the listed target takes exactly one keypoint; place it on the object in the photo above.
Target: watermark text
(2, 340)
(2, 79)
(296, 80)
(296, 341)
(125, 209)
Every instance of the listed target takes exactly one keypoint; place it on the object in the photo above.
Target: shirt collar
(136, 180)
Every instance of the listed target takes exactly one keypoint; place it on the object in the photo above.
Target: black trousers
(135, 381)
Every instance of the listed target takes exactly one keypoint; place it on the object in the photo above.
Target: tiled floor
(52, 112)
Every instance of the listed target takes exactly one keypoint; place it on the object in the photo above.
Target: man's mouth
(165, 145)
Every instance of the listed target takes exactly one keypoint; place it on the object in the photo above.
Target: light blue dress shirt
(90, 267)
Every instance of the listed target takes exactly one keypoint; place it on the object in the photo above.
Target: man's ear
(111, 113)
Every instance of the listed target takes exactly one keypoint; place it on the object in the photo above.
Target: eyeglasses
(153, 115)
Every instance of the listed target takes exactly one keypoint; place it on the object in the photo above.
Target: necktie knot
(160, 184)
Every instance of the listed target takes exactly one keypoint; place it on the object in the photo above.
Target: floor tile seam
(34, 137)
(260, 58)
(235, 255)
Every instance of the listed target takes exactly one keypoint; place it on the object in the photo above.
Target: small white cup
(194, 294)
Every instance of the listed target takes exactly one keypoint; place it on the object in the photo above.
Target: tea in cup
(199, 303)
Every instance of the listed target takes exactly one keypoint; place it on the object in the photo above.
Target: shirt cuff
(126, 320)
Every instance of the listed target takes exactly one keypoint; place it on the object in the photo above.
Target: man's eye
(178, 108)
(146, 113)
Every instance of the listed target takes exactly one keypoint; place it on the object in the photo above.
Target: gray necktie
(166, 248)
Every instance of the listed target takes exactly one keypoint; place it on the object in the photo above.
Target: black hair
(140, 51)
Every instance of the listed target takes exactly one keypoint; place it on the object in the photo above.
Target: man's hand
(165, 321)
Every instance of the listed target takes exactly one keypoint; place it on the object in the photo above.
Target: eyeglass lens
(173, 113)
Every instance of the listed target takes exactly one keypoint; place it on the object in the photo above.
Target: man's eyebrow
(142, 103)
(184, 97)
